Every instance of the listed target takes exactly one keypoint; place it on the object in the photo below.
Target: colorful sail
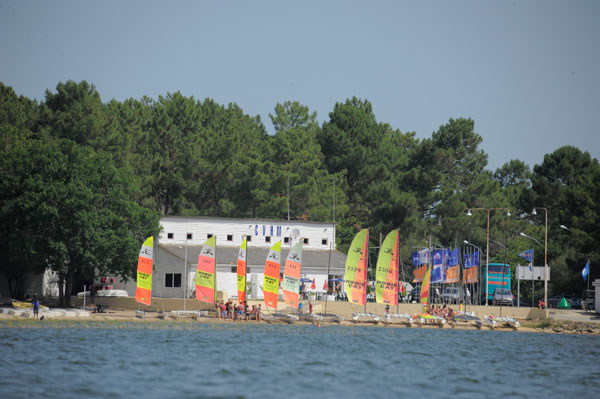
(241, 273)
(205, 274)
(291, 276)
(424, 298)
(356, 268)
(386, 277)
(272, 269)
(143, 292)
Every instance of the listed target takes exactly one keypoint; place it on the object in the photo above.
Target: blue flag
(528, 255)
(471, 260)
(585, 271)
(415, 259)
(454, 257)
(438, 257)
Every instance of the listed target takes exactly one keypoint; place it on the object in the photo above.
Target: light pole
(184, 272)
(532, 263)
(505, 246)
(487, 251)
(478, 288)
(545, 254)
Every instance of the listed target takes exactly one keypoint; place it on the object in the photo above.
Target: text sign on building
(266, 230)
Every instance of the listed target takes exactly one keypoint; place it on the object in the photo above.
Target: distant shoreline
(118, 316)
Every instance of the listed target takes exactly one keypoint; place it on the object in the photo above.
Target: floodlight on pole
(487, 252)
(533, 212)
(530, 237)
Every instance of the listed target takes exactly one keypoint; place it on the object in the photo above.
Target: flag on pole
(585, 271)
(528, 255)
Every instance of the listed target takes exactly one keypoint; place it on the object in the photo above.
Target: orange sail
(241, 273)
(425, 287)
(291, 276)
(386, 277)
(143, 292)
(205, 274)
(272, 269)
(356, 268)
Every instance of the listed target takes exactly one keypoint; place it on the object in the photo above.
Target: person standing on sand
(300, 306)
(36, 307)
(309, 307)
(258, 313)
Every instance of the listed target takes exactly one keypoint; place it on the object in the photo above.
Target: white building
(177, 248)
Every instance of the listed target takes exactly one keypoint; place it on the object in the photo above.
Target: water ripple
(194, 360)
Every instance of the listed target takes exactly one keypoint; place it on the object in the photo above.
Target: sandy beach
(551, 325)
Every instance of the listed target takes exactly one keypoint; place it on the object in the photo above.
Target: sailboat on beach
(241, 272)
(386, 277)
(291, 276)
(143, 291)
(271, 276)
(426, 318)
(271, 284)
(356, 274)
(206, 272)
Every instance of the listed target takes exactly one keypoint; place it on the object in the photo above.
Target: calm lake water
(192, 360)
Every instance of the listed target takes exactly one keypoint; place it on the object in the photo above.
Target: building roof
(245, 220)
(312, 260)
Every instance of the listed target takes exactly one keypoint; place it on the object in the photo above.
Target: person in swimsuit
(218, 309)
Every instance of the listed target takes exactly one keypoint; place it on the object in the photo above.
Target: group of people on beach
(440, 311)
(237, 311)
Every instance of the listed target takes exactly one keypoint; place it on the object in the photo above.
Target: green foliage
(70, 208)
(99, 175)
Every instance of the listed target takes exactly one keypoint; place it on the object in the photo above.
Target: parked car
(588, 300)
(574, 301)
(554, 301)
(451, 295)
(502, 296)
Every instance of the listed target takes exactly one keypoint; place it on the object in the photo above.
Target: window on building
(324, 241)
(173, 280)
(189, 236)
(249, 238)
(234, 269)
(305, 241)
(267, 239)
(286, 240)
(209, 235)
(170, 236)
(229, 237)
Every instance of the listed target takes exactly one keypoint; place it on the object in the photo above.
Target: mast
(327, 278)
(397, 247)
(215, 276)
(246, 278)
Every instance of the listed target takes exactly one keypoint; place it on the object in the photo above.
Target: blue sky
(527, 72)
